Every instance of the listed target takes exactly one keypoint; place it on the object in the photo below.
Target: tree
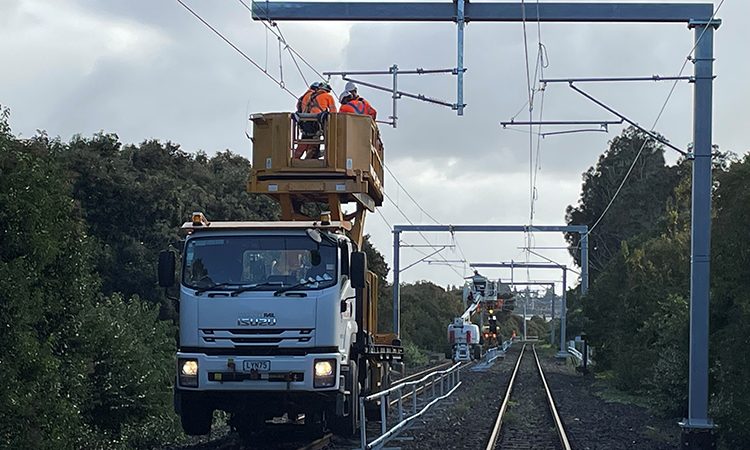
(730, 304)
(135, 198)
(79, 370)
(639, 205)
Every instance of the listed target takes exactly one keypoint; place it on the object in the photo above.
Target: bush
(414, 356)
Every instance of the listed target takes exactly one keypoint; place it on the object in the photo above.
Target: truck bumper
(259, 373)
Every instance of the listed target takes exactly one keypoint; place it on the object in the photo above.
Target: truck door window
(243, 260)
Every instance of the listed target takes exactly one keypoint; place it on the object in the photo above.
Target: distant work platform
(349, 165)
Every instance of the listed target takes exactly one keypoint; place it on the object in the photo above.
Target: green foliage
(730, 304)
(426, 311)
(536, 326)
(135, 198)
(132, 356)
(508, 325)
(637, 310)
(414, 356)
(639, 206)
(79, 370)
(44, 285)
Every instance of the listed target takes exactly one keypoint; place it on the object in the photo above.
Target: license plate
(259, 366)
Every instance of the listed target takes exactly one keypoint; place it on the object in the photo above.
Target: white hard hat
(350, 86)
(344, 95)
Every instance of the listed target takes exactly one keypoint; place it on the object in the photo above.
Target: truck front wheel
(348, 424)
(196, 416)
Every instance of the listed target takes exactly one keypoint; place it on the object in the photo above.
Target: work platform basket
(349, 169)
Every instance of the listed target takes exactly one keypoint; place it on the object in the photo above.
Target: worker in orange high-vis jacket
(305, 99)
(316, 100)
(352, 103)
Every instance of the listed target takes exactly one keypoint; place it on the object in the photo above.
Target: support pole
(563, 353)
(460, 23)
(552, 319)
(584, 263)
(697, 427)
(525, 301)
(394, 95)
(396, 283)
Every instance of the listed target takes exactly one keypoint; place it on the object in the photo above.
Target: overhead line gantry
(697, 427)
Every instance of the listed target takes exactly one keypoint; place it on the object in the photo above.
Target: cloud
(148, 69)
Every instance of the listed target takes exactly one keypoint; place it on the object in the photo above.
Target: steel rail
(318, 444)
(499, 421)
(553, 409)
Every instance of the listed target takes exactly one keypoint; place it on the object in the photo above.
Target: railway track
(318, 444)
(530, 420)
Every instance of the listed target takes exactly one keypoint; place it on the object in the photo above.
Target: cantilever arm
(650, 133)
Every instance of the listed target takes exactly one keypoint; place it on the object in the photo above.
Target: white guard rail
(449, 381)
(493, 353)
(576, 353)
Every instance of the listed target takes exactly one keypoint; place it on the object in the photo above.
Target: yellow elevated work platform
(349, 167)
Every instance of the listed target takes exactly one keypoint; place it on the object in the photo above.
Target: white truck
(463, 338)
(279, 319)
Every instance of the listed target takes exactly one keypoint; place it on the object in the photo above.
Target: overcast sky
(145, 69)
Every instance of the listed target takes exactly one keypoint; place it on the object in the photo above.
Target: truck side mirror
(359, 270)
(166, 268)
(344, 251)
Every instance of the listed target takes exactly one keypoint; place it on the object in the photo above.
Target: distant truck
(279, 319)
(463, 338)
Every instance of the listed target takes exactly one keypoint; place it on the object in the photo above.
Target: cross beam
(550, 285)
(563, 353)
(582, 231)
(484, 12)
(520, 265)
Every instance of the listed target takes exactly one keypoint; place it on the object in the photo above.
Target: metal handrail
(577, 354)
(377, 395)
(452, 374)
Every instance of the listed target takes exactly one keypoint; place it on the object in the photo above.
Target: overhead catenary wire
(416, 203)
(281, 40)
(542, 62)
(421, 234)
(237, 49)
(273, 27)
(530, 95)
(430, 216)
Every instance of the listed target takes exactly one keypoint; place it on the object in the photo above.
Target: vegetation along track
(528, 418)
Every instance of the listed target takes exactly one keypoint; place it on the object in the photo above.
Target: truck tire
(247, 425)
(196, 417)
(315, 422)
(348, 425)
(372, 409)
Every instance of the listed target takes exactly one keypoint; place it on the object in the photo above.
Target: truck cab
(463, 337)
(279, 318)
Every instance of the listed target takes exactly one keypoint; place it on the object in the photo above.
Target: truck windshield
(234, 261)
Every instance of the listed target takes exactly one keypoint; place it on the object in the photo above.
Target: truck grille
(247, 337)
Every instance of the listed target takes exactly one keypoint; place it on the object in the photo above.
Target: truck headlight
(188, 372)
(325, 373)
